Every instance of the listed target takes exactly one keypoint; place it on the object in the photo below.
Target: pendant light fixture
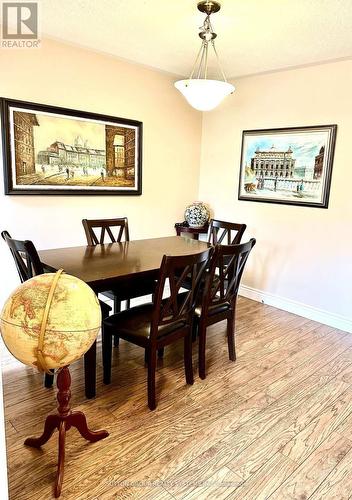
(202, 93)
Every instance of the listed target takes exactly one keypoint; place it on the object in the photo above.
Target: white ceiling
(253, 35)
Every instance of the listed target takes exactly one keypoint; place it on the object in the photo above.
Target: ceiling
(254, 36)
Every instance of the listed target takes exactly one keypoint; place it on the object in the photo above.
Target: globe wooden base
(63, 421)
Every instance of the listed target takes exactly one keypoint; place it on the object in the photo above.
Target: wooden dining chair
(98, 231)
(163, 321)
(28, 265)
(219, 295)
(221, 232)
(226, 233)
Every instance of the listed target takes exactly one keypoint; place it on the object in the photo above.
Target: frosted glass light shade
(203, 94)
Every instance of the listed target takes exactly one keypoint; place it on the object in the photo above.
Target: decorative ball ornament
(197, 214)
(50, 321)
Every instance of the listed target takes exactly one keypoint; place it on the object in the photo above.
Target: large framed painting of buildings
(289, 165)
(51, 150)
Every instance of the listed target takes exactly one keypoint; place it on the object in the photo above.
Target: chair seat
(214, 309)
(134, 324)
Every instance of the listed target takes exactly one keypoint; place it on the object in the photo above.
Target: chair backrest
(105, 227)
(175, 271)
(227, 233)
(225, 273)
(26, 257)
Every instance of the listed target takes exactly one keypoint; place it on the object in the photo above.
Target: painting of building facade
(58, 151)
(291, 166)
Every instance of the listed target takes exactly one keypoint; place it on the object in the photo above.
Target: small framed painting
(289, 165)
(59, 151)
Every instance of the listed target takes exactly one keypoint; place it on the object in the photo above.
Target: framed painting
(288, 165)
(59, 151)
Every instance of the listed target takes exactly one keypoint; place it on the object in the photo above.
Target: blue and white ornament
(197, 214)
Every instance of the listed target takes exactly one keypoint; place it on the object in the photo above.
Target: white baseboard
(292, 306)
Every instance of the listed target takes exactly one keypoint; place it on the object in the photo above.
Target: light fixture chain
(195, 63)
(206, 61)
(218, 61)
(207, 25)
(202, 59)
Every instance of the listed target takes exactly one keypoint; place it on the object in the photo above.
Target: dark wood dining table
(103, 267)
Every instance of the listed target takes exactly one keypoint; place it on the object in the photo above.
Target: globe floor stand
(63, 421)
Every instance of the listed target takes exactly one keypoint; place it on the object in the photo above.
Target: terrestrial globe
(50, 321)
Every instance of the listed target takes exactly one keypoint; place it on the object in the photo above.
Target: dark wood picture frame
(328, 164)
(29, 189)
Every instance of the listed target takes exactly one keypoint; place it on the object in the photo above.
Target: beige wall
(297, 246)
(63, 75)
(302, 254)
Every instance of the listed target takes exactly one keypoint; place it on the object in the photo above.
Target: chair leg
(161, 352)
(117, 309)
(151, 378)
(146, 356)
(195, 327)
(105, 309)
(128, 304)
(188, 358)
(49, 379)
(231, 337)
(202, 331)
(117, 305)
(90, 371)
(107, 352)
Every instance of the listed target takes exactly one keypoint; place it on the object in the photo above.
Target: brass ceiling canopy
(208, 7)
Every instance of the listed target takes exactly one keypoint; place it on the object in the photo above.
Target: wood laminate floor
(275, 424)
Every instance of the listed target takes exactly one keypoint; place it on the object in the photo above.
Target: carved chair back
(227, 233)
(178, 308)
(225, 273)
(26, 257)
(96, 230)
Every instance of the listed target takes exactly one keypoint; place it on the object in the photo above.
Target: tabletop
(101, 266)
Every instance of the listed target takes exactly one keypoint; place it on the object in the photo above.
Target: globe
(50, 320)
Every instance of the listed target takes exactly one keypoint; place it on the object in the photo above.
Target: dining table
(105, 266)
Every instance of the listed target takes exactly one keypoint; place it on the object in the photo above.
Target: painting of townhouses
(57, 152)
(291, 166)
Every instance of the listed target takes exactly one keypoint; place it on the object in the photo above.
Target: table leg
(49, 379)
